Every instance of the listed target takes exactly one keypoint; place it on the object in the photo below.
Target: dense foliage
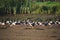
(12, 7)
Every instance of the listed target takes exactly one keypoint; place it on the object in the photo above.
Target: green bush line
(28, 7)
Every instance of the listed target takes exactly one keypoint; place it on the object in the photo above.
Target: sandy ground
(20, 32)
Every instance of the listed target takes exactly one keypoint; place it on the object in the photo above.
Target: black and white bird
(13, 24)
(45, 23)
(32, 23)
(40, 23)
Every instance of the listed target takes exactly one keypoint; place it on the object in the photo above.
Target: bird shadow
(58, 39)
(52, 36)
(39, 29)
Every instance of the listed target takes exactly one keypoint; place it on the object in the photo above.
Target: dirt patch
(25, 33)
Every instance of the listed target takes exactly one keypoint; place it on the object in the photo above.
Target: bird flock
(29, 22)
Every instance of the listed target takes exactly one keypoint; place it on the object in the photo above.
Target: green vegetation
(13, 7)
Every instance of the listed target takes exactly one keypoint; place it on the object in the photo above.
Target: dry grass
(25, 16)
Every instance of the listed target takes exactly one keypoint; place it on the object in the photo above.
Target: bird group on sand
(29, 23)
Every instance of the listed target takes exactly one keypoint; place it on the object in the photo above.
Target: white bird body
(58, 22)
(18, 21)
(49, 23)
(40, 23)
(28, 20)
(30, 24)
(36, 23)
(13, 24)
(2, 23)
(7, 21)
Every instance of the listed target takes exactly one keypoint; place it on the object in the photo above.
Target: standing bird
(51, 23)
(13, 24)
(18, 22)
(56, 22)
(8, 22)
(3, 24)
(36, 23)
(32, 24)
(59, 23)
(40, 23)
(45, 23)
